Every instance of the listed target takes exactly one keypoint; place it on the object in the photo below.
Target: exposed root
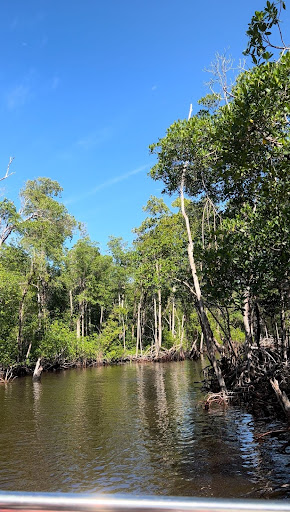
(7, 376)
(279, 431)
(216, 399)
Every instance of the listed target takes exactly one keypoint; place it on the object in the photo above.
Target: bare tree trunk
(124, 332)
(282, 398)
(89, 320)
(101, 317)
(39, 313)
(283, 333)
(37, 370)
(5, 234)
(21, 314)
(246, 316)
(71, 308)
(201, 343)
(182, 330)
(173, 318)
(78, 327)
(83, 318)
(278, 337)
(138, 328)
(28, 350)
(155, 325)
(159, 319)
(274, 330)
(20, 324)
(258, 329)
(123, 324)
(204, 322)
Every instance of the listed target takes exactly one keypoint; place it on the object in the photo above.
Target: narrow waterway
(135, 429)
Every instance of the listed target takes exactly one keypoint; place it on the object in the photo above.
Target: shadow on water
(135, 429)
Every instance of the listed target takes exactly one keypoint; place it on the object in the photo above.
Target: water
(135, 429)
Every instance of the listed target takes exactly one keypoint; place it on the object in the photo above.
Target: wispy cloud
(117, 179)
(95, 138)
(14, 23)
(55, 82)
(18, 96)
(107, 184)
(29, 20)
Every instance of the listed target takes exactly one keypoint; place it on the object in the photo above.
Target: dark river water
(135, 429)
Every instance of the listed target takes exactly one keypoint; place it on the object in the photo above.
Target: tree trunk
(159, 320)
(124, 333)
(282, 398)
(71, 308)
(173, 318)
(21, 314)
(182, 330)
(123, 324)
(258, 328)
(201, 343)
(37, 370)
(90, 320)
(155, 325)
(278, 337)
(138, 340)
(83, 318)
(246, 317)
(283, 333)
(20, 324)
(204, 322)
(28, 350)
(78, 327)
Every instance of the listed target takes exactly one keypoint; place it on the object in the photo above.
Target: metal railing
(97, 503)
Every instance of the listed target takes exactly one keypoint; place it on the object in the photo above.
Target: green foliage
(260, 29)
(168, 339)
(58, 343)
(111, 334)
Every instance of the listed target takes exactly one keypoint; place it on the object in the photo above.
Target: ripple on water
(135, 429)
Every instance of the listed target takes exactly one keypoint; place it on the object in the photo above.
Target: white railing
(90, 503)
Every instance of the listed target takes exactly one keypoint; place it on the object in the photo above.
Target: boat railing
(98, 503)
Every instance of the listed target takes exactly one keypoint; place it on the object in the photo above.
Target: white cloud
(107, 184)
(117, 179)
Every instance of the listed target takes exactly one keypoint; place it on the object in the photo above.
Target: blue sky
(86, 86)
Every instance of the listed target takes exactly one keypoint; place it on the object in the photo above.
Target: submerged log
(37, 371)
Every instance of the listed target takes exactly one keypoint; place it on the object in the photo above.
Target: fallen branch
(260, 436)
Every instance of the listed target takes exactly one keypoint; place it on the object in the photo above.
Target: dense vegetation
(214, 268)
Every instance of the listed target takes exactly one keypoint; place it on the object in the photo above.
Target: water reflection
(133, 429)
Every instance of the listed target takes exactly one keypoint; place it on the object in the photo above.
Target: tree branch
(7, 171)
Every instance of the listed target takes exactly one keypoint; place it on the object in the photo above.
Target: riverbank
(262, 388)
(23, 369)
(261, 382)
